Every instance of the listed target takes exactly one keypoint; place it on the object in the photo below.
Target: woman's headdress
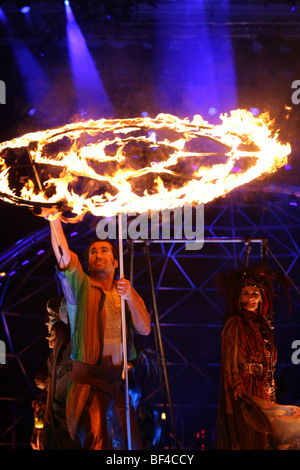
(267, 280)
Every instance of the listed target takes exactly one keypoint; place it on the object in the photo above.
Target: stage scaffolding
(178, 288)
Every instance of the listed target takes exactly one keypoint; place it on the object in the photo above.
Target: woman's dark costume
(249, 356)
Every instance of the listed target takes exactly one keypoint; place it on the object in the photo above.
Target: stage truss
(242, 227)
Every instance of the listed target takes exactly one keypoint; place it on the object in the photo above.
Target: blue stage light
(254, 111)
(25, 9)
(91, 93)
(195, 75)
(33, 76)
(212, 111)
(24, 6)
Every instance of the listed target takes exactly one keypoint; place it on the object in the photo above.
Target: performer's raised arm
(59, 242)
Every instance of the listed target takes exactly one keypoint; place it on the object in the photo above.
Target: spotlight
(25, 9)
(212, 111)
(24, 6)
(254, 111)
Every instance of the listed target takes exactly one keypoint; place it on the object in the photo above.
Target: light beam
(91, 94)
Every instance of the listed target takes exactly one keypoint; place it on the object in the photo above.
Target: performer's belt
(254, 368)
(92, 374)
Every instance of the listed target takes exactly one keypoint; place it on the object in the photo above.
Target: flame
(116, 166)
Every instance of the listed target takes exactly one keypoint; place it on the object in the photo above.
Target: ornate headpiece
(251, 282)
(261, 276)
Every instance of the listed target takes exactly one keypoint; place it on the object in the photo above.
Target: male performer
(94, 309)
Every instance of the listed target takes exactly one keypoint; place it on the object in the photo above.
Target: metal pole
(159, 338)
(264, 251)
(162, 387)
(248, 248)
(205, 240)
(125, 361)
(131, 254)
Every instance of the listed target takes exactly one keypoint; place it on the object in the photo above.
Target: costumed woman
(248, 416)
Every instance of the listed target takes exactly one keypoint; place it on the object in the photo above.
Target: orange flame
(116, 166)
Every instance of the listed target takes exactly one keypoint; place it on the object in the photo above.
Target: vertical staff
(124, 339)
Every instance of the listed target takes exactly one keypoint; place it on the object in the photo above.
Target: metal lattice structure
(243, 226)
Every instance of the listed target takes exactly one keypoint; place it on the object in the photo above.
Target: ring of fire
(116, 166)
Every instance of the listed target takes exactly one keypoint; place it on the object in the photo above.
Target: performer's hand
(47, 213)
(239, 392)
(139, 314)
(124, 288)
